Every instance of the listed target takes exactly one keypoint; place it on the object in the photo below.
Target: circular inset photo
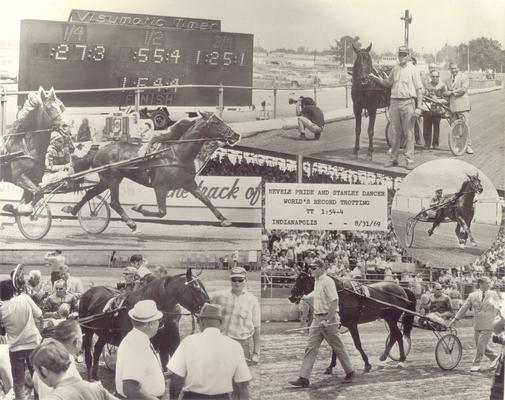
(446, 213)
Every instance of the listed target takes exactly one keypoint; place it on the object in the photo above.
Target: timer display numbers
(79, 56)
(75, 52)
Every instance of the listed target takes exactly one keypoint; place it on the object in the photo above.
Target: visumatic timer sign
(320, 207)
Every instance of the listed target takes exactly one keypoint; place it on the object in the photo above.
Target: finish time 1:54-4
(97, 53)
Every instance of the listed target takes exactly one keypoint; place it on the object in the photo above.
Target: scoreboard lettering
(69, 55)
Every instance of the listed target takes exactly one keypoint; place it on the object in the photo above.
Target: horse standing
(170, 170)
(366, 94)
(358, 309)
(41, 113)
(166, 292)
(460, 209)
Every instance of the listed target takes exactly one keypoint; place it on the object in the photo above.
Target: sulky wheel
(394, 353)
(448, 352)
(458, 137)
(409, 231)
(36, 225)
(94, 216)
(109, 355)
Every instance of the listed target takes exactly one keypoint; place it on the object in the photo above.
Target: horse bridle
(227, 134)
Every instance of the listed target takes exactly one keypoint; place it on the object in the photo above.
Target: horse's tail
(408, 318)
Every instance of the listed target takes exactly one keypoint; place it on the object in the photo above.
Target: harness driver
(58, 161)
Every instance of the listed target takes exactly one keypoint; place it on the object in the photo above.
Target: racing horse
(170, 170)
(26, 146)
(111, 327)
(460, 209)
(356, 308)
(366, 94)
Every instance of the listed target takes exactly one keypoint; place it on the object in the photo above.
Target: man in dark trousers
(310, 117)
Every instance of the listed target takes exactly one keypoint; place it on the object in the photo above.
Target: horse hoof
(138, 208)
(474, 244)
(226, 223)
(430, 232)
(68, 210)
(401, 364)
(369, 157)
(368, 368)
(462, 246)
(328, 371)
(382, 358)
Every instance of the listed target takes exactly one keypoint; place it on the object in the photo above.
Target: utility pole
(345, 52)
(408, 20)
(468, 56)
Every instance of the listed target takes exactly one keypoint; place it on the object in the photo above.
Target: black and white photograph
(137, 144)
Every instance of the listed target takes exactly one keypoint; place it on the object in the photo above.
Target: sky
(313, 24)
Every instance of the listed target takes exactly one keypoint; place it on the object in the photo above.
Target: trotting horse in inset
(460, 209)
(170, 170)
(366, 94)
(26, 147)
(358, 309)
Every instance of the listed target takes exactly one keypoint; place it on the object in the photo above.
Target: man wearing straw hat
(209, 365)
(139, 374)
(20, 317)
(324, 326)
(485, 304)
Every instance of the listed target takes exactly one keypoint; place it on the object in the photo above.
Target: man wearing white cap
(209, 365)
(58, 161)
(241, 313)
(485, 304)
(139, 374)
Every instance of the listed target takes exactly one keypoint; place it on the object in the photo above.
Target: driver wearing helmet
(58, 160)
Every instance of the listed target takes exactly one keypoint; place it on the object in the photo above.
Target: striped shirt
(324, 293)
(241, 314)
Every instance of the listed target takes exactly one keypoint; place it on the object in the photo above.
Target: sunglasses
(237, 279)
(435, 76)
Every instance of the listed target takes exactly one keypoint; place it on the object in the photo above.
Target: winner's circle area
(446, 213)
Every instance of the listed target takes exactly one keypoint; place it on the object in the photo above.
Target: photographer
(309, 115)
(498, 337)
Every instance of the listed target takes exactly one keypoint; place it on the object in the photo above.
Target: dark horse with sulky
(184, 289)
(26, 146)
(460, 209)
(170, 170)
(366, 94)
(358, 309)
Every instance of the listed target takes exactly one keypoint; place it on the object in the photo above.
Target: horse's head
(42, 110)
(217, 129)
(194, 295)
(304, 284)
(475, 183)
(362, 66)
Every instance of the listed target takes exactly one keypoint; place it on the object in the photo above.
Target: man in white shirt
(20, 316)
(139, 374)
(209, 365)
(74, 285)
(324, 326)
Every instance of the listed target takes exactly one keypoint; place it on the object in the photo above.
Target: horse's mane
(155, 288)
(177, 130)
(25, 115)
(465, 182)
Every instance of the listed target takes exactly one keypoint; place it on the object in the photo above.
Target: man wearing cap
(74, 285)
(439, 305)
(324, 326)
(139, 374)
(241, 313)
(485, 304)
(209, 365)
(129, 284)
(406, 87)
(459, 100)
(58, 161)
(21, 319)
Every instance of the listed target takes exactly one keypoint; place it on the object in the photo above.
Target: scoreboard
(72, 55)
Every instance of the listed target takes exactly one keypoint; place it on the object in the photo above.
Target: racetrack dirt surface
(282, 355)
(441, 249)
